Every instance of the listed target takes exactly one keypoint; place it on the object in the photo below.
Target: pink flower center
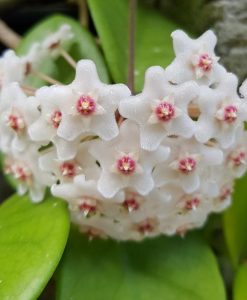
(87, 208)
(230, 113)
(68, 169)
(238, 158)
(187, 165)
(86, 105)
(205, 62)
(21, 173)
(16, 122)
(131, 204)
(145, 227)
(192, 204)
(165, 111)
(126, 165)
(225, 193)
(56, 118)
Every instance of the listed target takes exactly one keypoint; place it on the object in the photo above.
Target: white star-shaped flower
(24, 168)
(161, 109)
(12, 68)
(91, 105)
(66, 170)
(195, 59)
(44, 129)
(55, 41)
(187, 161)
(124, 164)
(17, 112)
(222, 112)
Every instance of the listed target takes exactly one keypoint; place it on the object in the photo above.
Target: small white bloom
(187, 160)
(23, 166)
(195, 59)
(161, 109)
(222, 112)
(12, 68)
(44, 129)
(124, 164)
(66, 171)
(90, 108)
(236, 156)
(17, 112)
(55, 41)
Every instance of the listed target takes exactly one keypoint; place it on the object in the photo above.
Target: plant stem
(83, 13)
(45, 77)
(131, 46)
(8, 37)
(68, 58)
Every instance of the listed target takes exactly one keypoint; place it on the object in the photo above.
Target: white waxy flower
(195, 59)
(55, 41)
(222, 112)
(90, 108)
(23, 166)
(187, 160)
(66, 171)
(161, 109)
(236, 156)
(124, 164)
(44, 129)
(83, 196)
(12, 68)
(17, 112)
(224, 199)
(243, 89)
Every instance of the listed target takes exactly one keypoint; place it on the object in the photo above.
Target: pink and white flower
(161, 109)
(195, 59)
(91, 105)
(17, 112)
(187, 161)
(124, 164)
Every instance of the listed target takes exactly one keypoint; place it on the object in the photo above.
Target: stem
(8, 37)
(45, 77)
(68, 58)
(83, 13)
(131, 53)
(28, 90)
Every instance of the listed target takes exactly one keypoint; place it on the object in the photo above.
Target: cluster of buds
(129, 166)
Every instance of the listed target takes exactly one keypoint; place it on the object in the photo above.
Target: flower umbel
(129, 166)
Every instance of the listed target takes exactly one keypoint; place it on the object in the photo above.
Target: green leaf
(32, 240)
(153, 41)
(235, 222)
(240, 287)
(163, 268)
(83, 45)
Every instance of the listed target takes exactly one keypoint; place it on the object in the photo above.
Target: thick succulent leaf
(163, 268)
(235, 222)
(153, 41)
(83, 45)
(32, 240)
(240, 287)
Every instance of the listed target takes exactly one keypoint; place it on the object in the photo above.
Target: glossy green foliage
(235, 222)
(240, 284)
(153, 41)
(32, 240)
(163, 268)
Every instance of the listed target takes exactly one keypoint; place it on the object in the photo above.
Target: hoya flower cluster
(129, 166)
